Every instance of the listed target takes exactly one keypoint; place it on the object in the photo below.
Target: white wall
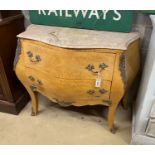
(27, 20)
(146, 98)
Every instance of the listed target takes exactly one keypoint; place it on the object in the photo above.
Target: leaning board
(109, 20)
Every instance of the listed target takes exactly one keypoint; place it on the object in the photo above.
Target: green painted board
(148, 11)
(108, 20)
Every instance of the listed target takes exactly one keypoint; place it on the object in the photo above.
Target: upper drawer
(68, 63)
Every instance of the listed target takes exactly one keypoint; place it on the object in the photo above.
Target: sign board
(110, 20)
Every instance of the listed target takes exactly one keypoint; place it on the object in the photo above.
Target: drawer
(77, 92)
(68, 63)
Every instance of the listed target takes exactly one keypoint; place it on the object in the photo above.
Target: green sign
(110, 20)
(149, 11)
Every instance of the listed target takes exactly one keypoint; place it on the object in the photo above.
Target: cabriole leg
(34, 100)
(111, 114)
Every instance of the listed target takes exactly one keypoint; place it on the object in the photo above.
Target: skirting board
(142, 140)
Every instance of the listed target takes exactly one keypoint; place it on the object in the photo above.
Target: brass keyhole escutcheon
(33, 58)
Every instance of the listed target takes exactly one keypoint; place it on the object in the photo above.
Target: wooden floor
(57, 125)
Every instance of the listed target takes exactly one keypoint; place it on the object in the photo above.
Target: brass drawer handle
(36, 82)
(102, 91)
(33, 88)
(92, 92)
(29, 54)
(39, 82)
(32, 58)
(103, 66)
(91, 67)
(31, 78)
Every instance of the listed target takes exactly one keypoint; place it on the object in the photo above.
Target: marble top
(79, 38)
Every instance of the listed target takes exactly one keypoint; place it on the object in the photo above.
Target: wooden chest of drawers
(76, 75)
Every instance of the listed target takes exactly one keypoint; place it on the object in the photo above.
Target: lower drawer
(67, 92)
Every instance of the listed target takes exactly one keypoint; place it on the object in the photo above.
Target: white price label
(98, 82)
